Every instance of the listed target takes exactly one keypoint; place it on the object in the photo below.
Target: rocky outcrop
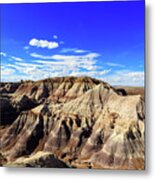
(7, 111)
(8, 87)
(40, 159)
(80, 122)
(23, 102)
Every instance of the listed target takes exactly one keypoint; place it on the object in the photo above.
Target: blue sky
(104, 40)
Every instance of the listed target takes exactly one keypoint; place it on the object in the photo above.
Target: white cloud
(26, 47)
(55, 37)
(3, 54)
(41, 69)
(11, 57)
(43, 43)
(74, 50)
(88, 56)
(87, 61)
(35, 55)
(13, 78)
(27, 64)
(135, 76)
(66, 50)
(74, 65)
(126, 78)
(64, 65)
(80, 51)
(97, 74)
(29, 71)
(16, 58)
(7, 71)
(56, 65)
(115, 64)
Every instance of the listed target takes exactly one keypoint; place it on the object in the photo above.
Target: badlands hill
(77, 122)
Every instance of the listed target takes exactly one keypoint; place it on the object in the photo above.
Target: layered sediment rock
(82, 122)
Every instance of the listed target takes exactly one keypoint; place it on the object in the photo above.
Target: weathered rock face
(40, 159)
(8, 87)
(8, 112)
(81, 122)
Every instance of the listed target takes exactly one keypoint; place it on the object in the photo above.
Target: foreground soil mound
(72, 122)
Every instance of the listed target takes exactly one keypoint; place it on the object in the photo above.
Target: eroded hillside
(71, 122)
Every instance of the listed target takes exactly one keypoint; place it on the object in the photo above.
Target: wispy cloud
(27, 71)
(7, 71)
(56, 65)
(40, 56)
(115, 64)
(80, 51)
(43, 43)
(72, 62)
(3, 54)
(126, 77)
(74, 50)
(87, 61)
(40, 69)
(88, 56)
(16, 58)
(26, 47)
(66, 57)
(91, 73)
(55, 36)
